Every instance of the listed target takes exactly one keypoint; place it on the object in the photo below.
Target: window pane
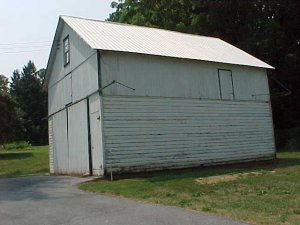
(67, 57)
(66, 50)
(66, 45)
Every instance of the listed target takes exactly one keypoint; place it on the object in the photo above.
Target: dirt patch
(231, 177)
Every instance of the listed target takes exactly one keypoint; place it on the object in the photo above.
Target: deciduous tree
(270, 30)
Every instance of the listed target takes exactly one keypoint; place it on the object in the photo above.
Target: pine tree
(27, 91)
(10, 125)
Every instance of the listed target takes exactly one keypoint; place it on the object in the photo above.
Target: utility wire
(25, 43)
(33, 46)
(37, 50)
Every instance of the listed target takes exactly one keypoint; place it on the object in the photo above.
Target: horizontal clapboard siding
(147, 133)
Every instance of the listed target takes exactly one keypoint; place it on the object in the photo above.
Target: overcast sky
(27, 28)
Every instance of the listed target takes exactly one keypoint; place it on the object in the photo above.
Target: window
(226, 84)
(66, 43)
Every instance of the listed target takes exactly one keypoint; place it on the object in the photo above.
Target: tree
(26, 89)
(9, 121)
(270, 30)
(3, 84)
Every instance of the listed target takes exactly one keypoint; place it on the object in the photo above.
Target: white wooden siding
(143, 133)
(60, 143)
(79, 52)
(85, 78)
(250, 84)
(170, 77)
(51, 142)
(78, 138)
(158, 76)
(78, 79)
(67, 81)
(75, 86)
(226, 85)
(96, 134)
(60, 95)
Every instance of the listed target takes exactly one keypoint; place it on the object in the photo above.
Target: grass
(24, 162)
(270, 198)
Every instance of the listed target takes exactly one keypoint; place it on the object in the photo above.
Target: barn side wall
(169, 77)
(176, 116)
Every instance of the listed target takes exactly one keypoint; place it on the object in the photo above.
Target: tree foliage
(9, 121)
(269, 29)
(26, 89)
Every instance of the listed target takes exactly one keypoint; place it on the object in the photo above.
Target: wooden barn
(126, 98)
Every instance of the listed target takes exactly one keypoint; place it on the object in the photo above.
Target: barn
(126, 98)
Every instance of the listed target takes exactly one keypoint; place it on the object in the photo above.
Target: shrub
(17, 145)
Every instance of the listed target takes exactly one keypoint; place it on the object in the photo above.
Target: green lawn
(270, 198)
(24, 162)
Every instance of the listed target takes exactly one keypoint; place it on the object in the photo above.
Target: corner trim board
(89, 137)
(99, 72)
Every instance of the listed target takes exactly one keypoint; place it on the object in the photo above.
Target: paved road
(57, 201)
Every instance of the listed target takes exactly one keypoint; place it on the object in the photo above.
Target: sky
(27, 28)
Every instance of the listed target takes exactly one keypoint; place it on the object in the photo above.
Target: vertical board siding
(78, 138)
(96, 134)
(79, 52)
(60, 144)
(143, 133)
(85, 79)
(75, 81)
(226, 84)
(170, 77)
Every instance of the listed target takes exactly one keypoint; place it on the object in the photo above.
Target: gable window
(66, 49)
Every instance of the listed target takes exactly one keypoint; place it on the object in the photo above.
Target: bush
(17, 145)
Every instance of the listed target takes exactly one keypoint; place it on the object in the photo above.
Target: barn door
(96, 135)
(78, 138)
(226, 84)
(60, 142)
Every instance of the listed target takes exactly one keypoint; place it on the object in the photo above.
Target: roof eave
(265, 66)
(53, 52)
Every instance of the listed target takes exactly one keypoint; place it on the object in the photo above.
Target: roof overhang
(54, 48)
(109, 36)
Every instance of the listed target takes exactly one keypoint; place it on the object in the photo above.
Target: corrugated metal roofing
(151, 41)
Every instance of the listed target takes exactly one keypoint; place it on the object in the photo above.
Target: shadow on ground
(34, 188)
(12, 156)
(166, 175)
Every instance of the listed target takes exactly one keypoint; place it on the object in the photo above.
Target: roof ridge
(115, 37)
(139, 26)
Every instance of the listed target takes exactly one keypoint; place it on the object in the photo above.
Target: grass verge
(270, 198)
(24, 162)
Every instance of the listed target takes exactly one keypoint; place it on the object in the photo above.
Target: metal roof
(151, 41)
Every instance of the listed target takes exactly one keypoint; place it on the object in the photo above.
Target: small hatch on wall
(226, 84)
(66, 49)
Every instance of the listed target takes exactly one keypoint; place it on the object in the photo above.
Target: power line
(33, 46)
(25, 43)
(16, 52)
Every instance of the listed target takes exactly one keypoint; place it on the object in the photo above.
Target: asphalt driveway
(57, 201)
